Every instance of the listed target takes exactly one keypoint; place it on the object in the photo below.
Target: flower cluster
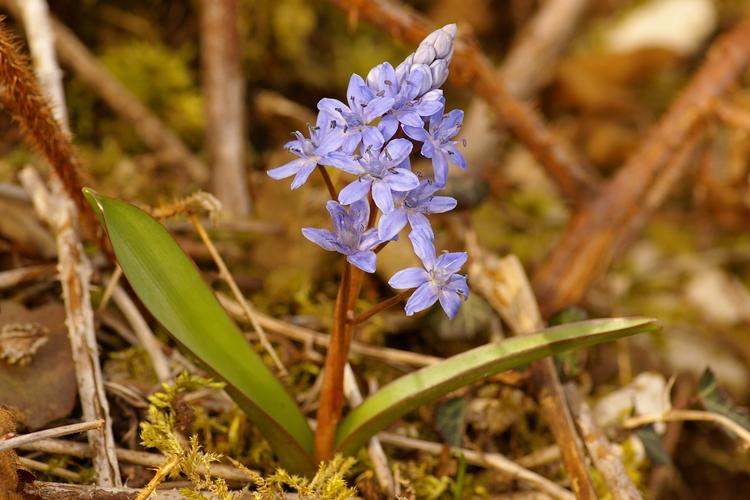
(371, 136)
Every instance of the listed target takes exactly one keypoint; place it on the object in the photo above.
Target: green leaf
(425, 385)
(449, 421)
(652, 443)
(169, 285)
(713, 399)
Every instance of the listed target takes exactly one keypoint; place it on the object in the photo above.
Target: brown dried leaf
(44, 389)
(20, 341)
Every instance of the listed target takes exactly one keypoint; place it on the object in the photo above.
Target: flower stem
(329, 183)
(380, 307)
(332, 389)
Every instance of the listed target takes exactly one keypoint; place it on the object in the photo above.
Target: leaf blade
(408, 392)
(170, 286)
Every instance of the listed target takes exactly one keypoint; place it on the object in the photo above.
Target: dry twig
(596, 232)
(15, 442)
(503, 282)
(81, 450)
(600, 450)
(224, 99)
(492, 460)
(691, 415)
(75, 272)
(13, 277)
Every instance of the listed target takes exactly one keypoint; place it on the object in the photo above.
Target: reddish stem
(332, 389)
(381, 306)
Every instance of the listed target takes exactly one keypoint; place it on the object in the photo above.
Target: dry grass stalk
(14, 277)
(471, 67)
(505, 285)
(75, 272)
(224, 99)
(491, 460)
(146, 338)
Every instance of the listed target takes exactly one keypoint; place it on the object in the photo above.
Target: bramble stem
(381, 306)
(332, 389)
(329, 183)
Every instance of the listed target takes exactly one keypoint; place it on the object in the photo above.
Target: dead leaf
(20, 341)
(44, 389)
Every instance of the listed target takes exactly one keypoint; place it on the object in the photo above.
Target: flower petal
(410, 118)
(355, 190)
(395, 152)
(372, 136)
(391, 224)
(359, 213)
(420, 223)
(343, 162)
(363, 260)
(424, 247)
(450, 302)
(410, 277)
(321, 237)
(417, 133)
(287, 169)
(369, 239)
(456, 157)
(339, 216)
(440, 204)
(382, 196)
(334, 107)
(377, 108)
(303, 173)
(440, 167)
(388, 125)
(451, 262)
(422, 298)
(401, 179)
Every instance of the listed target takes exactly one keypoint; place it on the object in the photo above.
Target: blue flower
(413, 207)
(320, 149)
(438, 281)
(350, 235)
(409, 105)
(384, 170)
(438, 144)
(352, 121)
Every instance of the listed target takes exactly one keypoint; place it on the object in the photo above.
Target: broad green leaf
(169, 285)
(430, 383)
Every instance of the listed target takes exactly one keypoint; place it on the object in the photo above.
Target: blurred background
(600, 72)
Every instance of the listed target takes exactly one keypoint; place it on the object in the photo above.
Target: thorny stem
(160, 475)
(227, 277)
(329, 183)
(379, 307)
